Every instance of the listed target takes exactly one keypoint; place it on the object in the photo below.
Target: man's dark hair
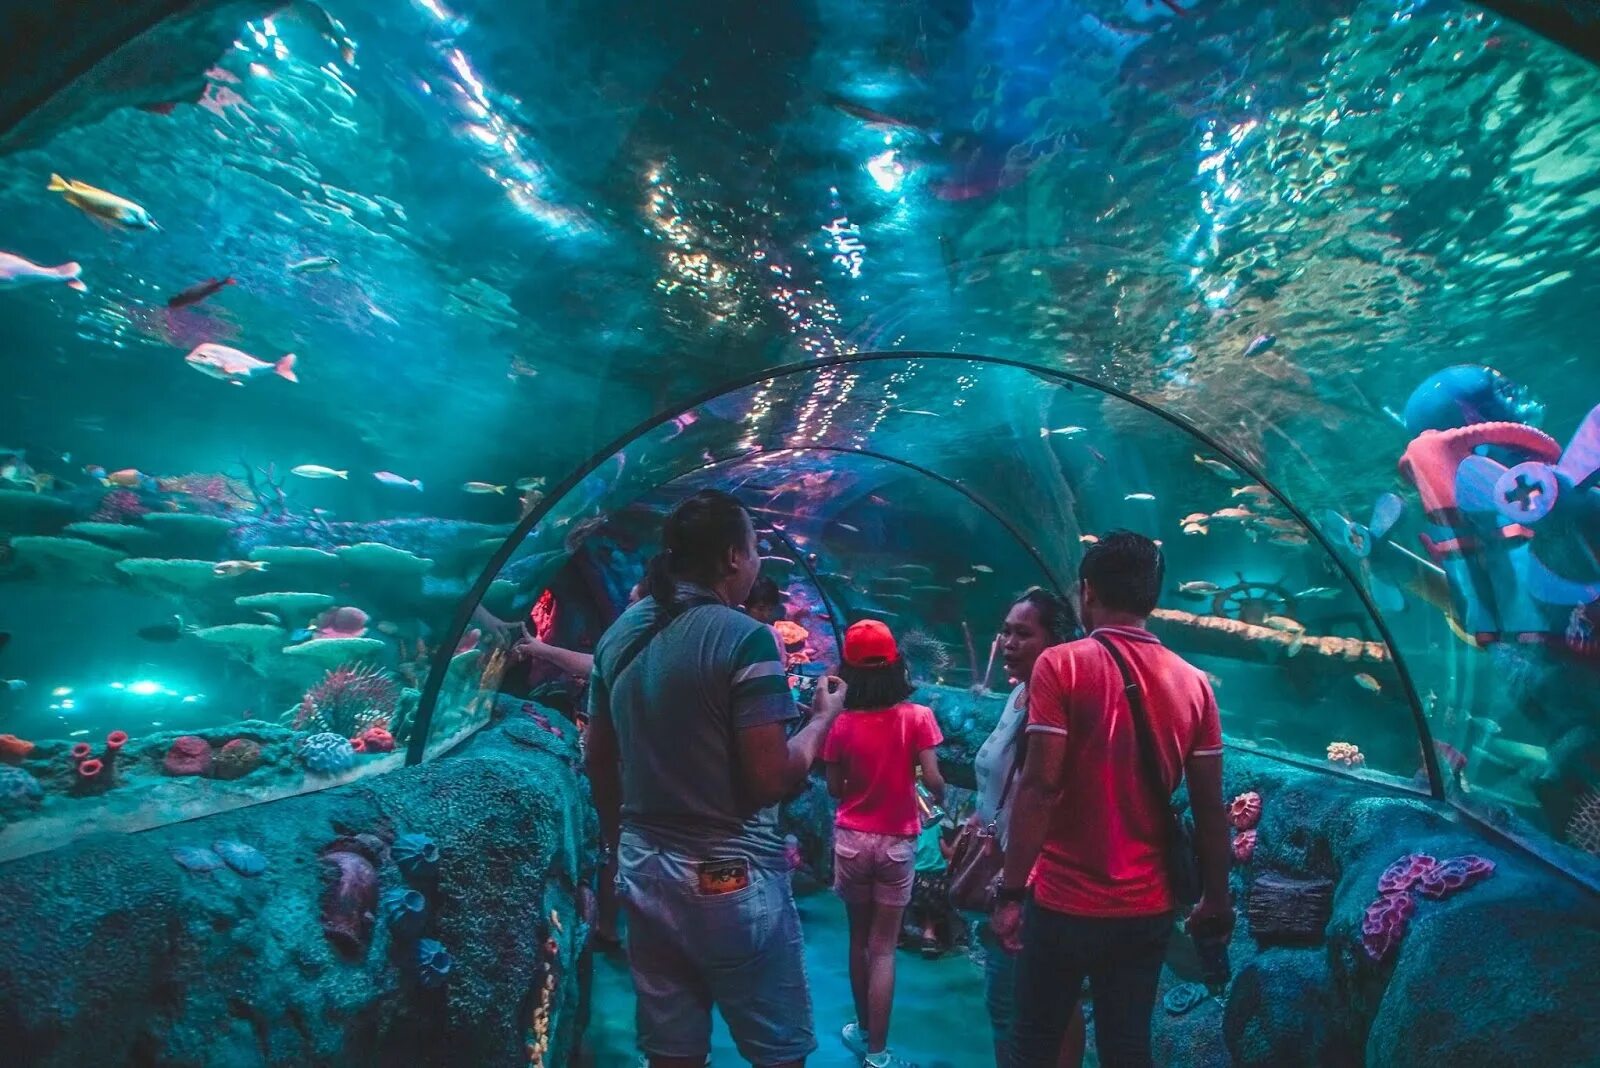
(764, 594)
(878, 686)
(1056, 615)
(695, 541)
(1126, 571)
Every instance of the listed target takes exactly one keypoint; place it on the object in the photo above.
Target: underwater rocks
(1285, 911)
(196, 859)
(351, 897)
(236, 759)
(14, 750)
(1278, 1012)
(189, 755)
(19, 792)
(247, 860)
(327, 753)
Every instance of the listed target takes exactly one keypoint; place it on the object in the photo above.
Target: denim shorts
(692, 945)
(873, 869)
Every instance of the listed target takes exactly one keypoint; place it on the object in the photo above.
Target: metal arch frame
(423, 718)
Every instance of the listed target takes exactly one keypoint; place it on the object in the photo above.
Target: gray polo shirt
(676, 705)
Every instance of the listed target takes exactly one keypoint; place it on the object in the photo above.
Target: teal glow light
(145, 688)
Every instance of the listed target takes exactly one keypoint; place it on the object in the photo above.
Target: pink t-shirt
(878, 750)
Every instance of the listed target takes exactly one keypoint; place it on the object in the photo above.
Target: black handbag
(1183, 870)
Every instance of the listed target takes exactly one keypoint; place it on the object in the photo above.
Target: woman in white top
(1038, 620)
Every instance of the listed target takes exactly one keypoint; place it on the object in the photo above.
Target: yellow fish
(230, 568)
(101, 204)
(482, 487)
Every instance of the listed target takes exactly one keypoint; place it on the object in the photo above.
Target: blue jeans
(1121, 957)
(690, 949)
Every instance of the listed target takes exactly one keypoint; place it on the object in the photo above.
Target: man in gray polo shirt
(689, 755)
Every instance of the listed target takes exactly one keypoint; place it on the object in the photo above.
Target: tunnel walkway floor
(939, 1018)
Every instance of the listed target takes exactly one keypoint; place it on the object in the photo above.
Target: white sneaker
(885, 1059)
(854, 1037)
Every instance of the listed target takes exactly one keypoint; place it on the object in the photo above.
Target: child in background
(873, 753)
(931, 922)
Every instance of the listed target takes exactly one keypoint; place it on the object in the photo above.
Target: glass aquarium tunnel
(939, 290)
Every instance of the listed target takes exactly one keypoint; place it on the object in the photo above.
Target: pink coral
(1245, 811)
(1405, 873)
(1244, 846)
(348, 700)
(120, 506)
(92, 777)
(375, 740)
(236, 759)
(1385, 923)
(189, 755)
(1457, 873)
(351, 896)
(1345, 753)
(343, 622)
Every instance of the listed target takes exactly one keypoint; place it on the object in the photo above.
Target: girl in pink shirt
(873, 752)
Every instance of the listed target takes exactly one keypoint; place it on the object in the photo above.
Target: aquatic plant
(1583, 827)
(236, 759)
(120, 506)
(327, 753)
(1244, 846)
(350, 899)
(189, 755)
(1385, 923)
(349, 699)
(417, 856)
(1245, 811)
(245, 859)
(405, 911)
(926, 656)
(433, 963)
(14, 750)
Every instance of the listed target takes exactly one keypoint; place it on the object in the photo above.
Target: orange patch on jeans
(719, 877)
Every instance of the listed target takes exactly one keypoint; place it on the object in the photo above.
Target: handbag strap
(1016, 762)
(1154, 779)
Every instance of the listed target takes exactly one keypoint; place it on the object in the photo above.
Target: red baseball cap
(869, 643)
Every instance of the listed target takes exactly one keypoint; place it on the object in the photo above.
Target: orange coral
(13, 749)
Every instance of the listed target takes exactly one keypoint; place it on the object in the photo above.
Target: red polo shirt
(1103, 854)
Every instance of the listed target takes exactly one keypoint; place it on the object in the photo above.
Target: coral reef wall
(212, 941)
(1495, 973)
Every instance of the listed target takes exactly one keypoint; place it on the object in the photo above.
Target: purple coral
(1385, 923)
(120, 506)
(1405, 873)
(351, 897)
(1458, 873)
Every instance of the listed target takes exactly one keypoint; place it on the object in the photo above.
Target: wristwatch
(1009, 895)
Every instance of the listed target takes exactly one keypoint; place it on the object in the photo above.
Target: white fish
(315, 263)
(850, 527)
(1140, 497)
(16, 685)
(235, 367)
(531, 482)
(1317, 593)
(1199, 589)
(482, 487)
(231, 568)
(983, 568)
(1064, 431)
(16, 272)
(1216, 467)
(389, 478)
(78, 734)
(317, 471)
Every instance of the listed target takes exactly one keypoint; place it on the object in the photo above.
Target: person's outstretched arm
(773, 767)
(1204, 770)
(568, 660)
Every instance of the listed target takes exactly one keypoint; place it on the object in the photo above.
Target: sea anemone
(1244, 846)
(116, 740)
(348, 700)
(82, 751)
(1345, 753)
(1245, 811)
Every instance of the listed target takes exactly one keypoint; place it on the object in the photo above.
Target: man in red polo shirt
(1087, 835)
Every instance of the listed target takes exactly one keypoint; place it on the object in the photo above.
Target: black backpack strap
(1142, 729)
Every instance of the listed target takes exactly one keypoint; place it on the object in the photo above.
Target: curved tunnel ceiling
(553, 223)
